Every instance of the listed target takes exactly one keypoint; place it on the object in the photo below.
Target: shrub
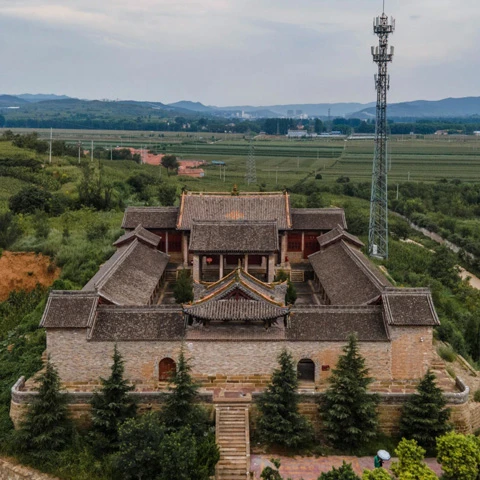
(459, 456)
(476, 396)
(10, 229)
(30, 199)
(447, 353)
(377, 474)
(345, 472)
(269, 473)
(96, 230)
(410, 465)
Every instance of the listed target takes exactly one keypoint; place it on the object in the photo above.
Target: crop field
(282, 162)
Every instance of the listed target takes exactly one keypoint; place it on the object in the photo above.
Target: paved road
(310, 468)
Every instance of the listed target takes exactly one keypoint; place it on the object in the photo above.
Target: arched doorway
(166, 368)
(306, 370)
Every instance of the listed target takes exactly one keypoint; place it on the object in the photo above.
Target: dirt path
(22, 271)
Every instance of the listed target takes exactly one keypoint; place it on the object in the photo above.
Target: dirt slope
(20, 270)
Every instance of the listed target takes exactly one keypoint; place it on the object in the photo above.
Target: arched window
(306, 370)
(166, 368)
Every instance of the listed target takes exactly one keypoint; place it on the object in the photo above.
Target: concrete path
(310, 468)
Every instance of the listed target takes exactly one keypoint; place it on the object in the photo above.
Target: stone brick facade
(81, 362)
(11, 471)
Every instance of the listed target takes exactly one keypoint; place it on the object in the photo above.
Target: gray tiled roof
(239, 279)
(231, 332)
(137, 323)
(162, 218)
(142, 235)
(318, 218)
(234, 236)
(335, 324)
(347, 277)
(236, 310)
(131, 275)
(409, 307)
(337, 234)
(69, 309)
(220, 207)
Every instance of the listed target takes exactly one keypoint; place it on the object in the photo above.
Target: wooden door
(166, 368)
(311, 245)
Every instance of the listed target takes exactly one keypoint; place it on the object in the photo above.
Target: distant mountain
(448, 107)
(40, 97)
(193, 106)
(9, 101)
(310, 109)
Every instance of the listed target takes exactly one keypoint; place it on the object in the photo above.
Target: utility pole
(79, 147)
(378, 228)
(91, 152)
(251, 175)
(50, 152)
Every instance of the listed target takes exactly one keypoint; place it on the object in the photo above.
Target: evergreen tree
(180, 410)
(183, 289)
(348, 411)
(424, 416)
(111, 407)
(46, 428)
(280, 422)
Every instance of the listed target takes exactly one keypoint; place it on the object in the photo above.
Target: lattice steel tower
(251, 175)
(378, 228)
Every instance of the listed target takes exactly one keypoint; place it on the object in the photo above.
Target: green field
(281, 162)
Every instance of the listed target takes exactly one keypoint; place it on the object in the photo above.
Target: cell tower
(378, 228)
(251, 175)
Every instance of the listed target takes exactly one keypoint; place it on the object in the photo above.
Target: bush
(459, 456)
(345, 472)
(96, 231)
(447, 353)
(30, 199)
(410, 465)
(377, 474)
(10, 229)
(476, 396)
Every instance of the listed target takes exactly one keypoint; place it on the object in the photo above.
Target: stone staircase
(297, 276)
(233, 439)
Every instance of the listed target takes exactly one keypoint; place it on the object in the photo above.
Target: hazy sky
(234, 52)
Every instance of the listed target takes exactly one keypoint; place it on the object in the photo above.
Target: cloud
(231, 51)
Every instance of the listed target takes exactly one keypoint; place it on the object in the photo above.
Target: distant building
(441, 132)
(297, 134)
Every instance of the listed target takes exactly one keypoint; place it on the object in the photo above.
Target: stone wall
(12, 471)
(80, 361)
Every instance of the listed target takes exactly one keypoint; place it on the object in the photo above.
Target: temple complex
(235, 247)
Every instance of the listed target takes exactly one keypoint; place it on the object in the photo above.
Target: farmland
(281, 162)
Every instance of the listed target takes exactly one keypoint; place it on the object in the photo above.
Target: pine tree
(424, 416)
(46, 428)
(180, 410)
(111, 406)
(280, 422)
(348, 411)
(183, 289)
